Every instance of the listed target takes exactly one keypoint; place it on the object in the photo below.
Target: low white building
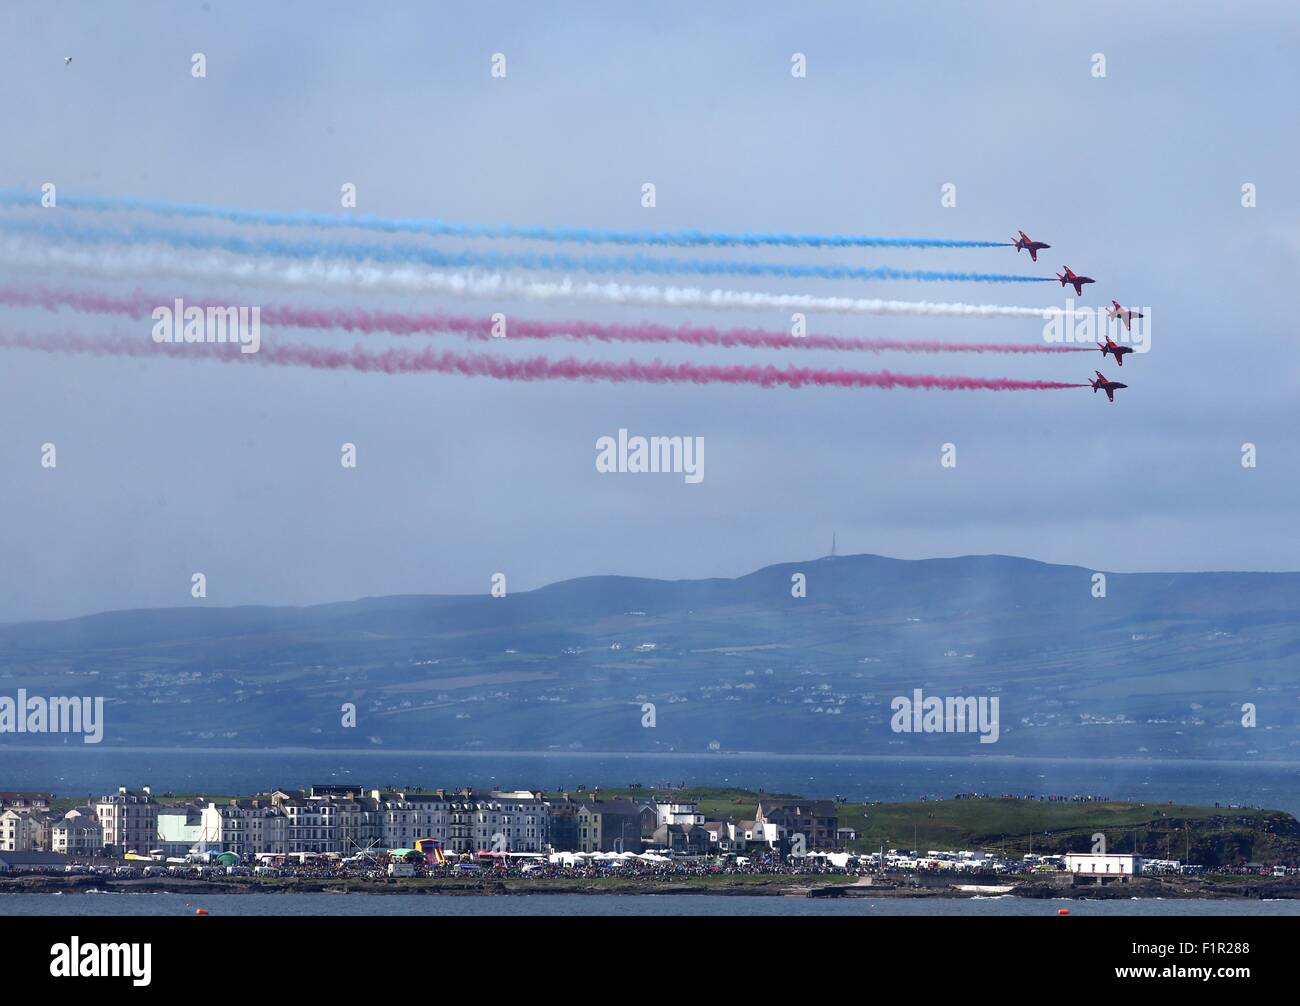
(678, 812)
(755, 834)
(180, 830)
(1103, 864)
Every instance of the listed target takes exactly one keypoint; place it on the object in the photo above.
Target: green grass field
(1208, 835)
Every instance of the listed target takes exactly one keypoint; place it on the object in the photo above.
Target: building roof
(124, 794)
(11, 859)
(612, 808)
(23, 796)
(77, 824)
(1107, 855)
(799, 808)
(186, 811)
(338, 789)
(409, 796)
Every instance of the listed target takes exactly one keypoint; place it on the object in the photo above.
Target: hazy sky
(166, 468)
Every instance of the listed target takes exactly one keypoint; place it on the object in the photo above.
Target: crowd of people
(377, 868)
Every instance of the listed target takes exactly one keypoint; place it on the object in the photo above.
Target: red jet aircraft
(1023, 243)
(1114, 350)
(1124, 314)
(1076, 281)
(1101, 384)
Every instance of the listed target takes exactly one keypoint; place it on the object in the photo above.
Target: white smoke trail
(144, 261)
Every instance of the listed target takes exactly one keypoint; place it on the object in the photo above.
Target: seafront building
(129, 818)
(25, 820)
(678, 812)
(349, 823)
(78, 833)
(407, 817)
(244, 827)
(348, 820)
(311, 825)
(610, 826)
(25, 799)
(816, 820)
(1101, 864)
(497, 821)
(15, 831)
(180, 829)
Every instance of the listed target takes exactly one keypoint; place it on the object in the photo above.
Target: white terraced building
(499, 820)
(409, 817)
(244, 827)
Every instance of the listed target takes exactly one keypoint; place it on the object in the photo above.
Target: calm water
(77, 770)
(579, 904)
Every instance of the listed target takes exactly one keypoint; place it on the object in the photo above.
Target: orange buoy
(1059, 911)
(200, 911)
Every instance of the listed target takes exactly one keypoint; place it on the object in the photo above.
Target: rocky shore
(1216, 887)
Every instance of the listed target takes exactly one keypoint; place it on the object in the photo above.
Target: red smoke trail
(138, 305)
(536, 368)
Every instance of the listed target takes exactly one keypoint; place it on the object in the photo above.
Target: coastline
(727, 755)
(761, 885)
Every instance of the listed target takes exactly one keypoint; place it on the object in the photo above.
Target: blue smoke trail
(441, 228)
(489, 260)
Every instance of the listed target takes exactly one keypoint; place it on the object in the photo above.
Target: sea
(79, 770)
(362, 905)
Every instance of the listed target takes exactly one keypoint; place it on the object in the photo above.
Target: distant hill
(1159, 667)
